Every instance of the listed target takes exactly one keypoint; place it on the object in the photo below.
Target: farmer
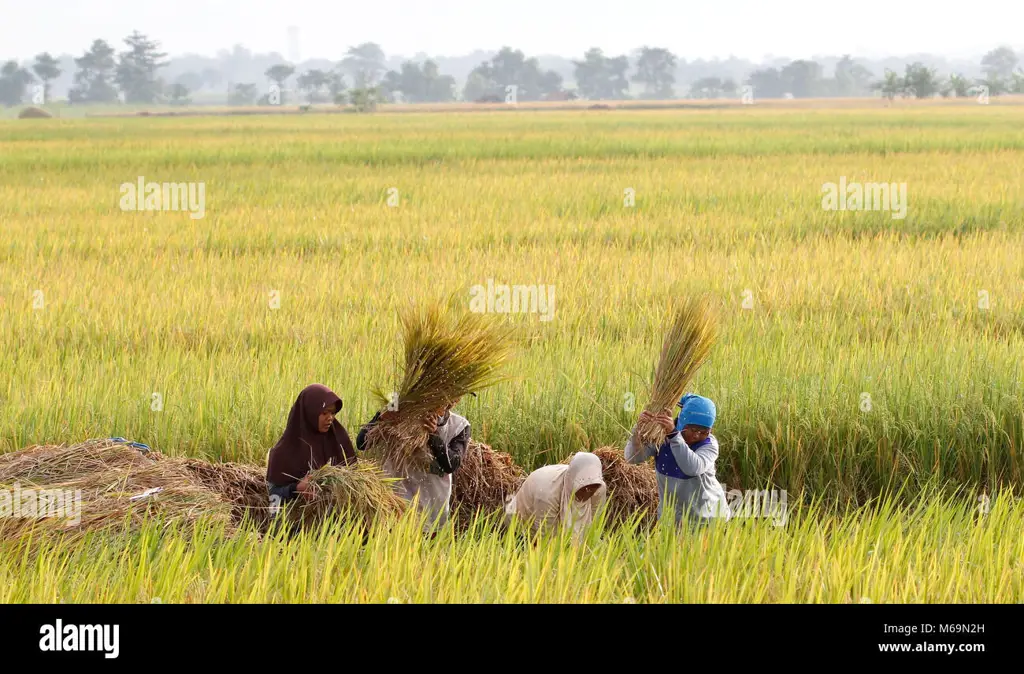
(312, 438)
(685, 462)
(448, 437)
(561, 496)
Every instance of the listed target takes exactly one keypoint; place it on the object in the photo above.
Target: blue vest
(665, 462)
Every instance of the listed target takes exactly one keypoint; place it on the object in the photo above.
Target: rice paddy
(869, 365)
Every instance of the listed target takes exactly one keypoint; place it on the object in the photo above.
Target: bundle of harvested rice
(360, 491)
(632, 488)
(686, 347)
(104, 486)
(242, 485)
(445, 357)
(484, 481)
(47, 464)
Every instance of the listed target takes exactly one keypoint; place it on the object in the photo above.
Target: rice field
(870, 365)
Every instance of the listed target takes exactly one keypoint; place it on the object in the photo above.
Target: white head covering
(584, 470)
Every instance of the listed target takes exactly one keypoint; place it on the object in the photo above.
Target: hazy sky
(715, 28)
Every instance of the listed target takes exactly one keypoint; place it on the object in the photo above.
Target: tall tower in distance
(294, 54)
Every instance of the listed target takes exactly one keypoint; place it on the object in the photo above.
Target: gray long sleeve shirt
(686, 476)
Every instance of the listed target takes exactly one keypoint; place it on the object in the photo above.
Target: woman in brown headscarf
(312, 438)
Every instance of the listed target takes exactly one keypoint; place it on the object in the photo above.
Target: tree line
(103, 74)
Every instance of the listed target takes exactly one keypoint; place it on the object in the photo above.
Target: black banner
(308, 635)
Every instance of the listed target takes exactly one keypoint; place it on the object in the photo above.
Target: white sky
(718, 28)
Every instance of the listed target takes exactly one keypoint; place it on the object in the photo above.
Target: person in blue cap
(685, 462)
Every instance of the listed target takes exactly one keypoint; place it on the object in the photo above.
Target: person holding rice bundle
(312, 438)
(561, 496)
(448, 436)
(685, 462)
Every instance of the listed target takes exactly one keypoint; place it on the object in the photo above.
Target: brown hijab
(303, 447)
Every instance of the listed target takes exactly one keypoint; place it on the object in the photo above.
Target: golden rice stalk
(446, 356)
(686, 348)
(361, 491)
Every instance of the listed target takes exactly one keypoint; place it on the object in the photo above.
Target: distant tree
(999, 63)
(480, 86)
(279, 74)
(707, 87)
(95, 75)
(365, 63)
(803, 79)
(390, 86)
(920, 81)
(1017, 81)
(509, 71)
(767, 83)
(365, 100)
(136, 69)
(191, 80)
(998, 66)
(46, 68)
(438, 88)
(13, 81)
(212, 78)
(315, 85)
(179, 94)
(418, 84)
(891, 85)
(958, 86)
(655, 69)
(336, 87)
(243, 94)
(599, 77)
(851, 79)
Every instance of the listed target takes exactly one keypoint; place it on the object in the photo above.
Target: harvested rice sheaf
(446, 356)
(485, 480)
(687, 346)
(360, 491)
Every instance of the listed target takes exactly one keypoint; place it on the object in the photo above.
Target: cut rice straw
(445, 357)
(687, 346)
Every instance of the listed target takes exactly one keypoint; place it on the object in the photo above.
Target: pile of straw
(485, 480)
(445, 357)
(687, 346)
(242, 485)
(360, 491)
(51, 464)
(632, 488)
(108, 474)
